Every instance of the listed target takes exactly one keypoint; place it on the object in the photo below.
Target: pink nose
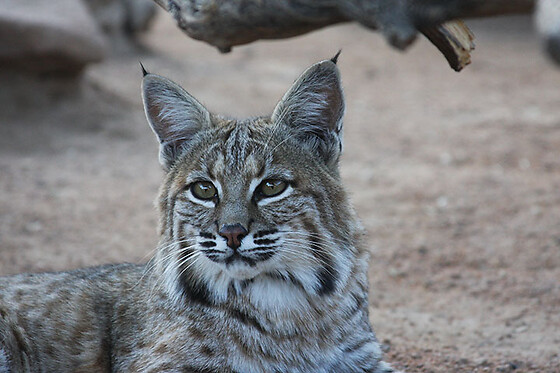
(233, 233)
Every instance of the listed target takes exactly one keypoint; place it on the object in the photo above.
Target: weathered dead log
(227, 23)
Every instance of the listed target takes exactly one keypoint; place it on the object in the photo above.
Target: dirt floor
(455, 176)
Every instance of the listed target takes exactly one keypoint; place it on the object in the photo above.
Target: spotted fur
(244, 280)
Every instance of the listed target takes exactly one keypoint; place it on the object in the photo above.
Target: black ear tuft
(335, 58)
(145, 72)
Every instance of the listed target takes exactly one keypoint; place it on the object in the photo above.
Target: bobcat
(259, 267)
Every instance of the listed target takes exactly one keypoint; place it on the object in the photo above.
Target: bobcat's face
(235, 202)
(255, 202)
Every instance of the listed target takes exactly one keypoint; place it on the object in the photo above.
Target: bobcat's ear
(314, 107)
(174, 115)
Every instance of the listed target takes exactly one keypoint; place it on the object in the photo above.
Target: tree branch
(225, 24)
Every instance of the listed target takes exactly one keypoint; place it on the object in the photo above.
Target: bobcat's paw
(384, 367)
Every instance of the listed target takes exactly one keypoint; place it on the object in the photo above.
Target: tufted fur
(293, 297)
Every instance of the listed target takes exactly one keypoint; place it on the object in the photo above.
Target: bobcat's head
(256, 204)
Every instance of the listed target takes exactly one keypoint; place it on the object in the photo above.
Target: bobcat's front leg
(15, 351)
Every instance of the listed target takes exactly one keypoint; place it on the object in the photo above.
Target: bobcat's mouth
(259, 248)
(242, 264)
(249, 257)
(237, 257)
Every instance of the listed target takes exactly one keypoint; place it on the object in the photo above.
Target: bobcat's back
(62, 321)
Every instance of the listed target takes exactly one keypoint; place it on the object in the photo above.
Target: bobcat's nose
(233, 233)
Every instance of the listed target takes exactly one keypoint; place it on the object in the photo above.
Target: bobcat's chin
(241, 271)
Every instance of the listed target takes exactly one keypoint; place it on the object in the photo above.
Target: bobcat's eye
(271, 188)
(204, 190)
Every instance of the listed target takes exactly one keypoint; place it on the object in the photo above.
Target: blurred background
(456, 176)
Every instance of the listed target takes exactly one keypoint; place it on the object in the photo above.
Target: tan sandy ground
(456, 178)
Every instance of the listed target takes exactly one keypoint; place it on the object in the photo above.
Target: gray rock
(48, 36)
(140, 14)
(123, 16)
